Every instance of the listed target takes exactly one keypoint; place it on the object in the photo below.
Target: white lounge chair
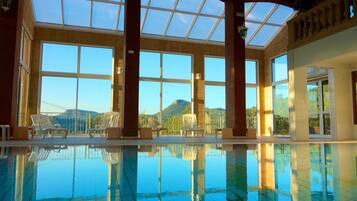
(156, 126)
(41, 124)
(189, 124)
(109, 120)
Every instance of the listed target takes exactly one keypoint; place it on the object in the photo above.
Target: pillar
(199, 90)
(341, 103)
(298, 104)
(10, 40)
(130, 112)
(235, 68)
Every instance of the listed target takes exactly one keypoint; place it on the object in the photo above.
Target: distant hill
(178, 107)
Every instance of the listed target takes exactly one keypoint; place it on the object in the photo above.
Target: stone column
(298, 104)
(341, 103)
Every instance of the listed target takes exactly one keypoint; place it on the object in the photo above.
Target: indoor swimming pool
(180, 172)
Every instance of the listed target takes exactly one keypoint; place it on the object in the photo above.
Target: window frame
(161, 80)
(77, 75)
(273, 85)
(247, 85)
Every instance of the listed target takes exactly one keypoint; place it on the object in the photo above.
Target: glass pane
(180, 25)
(94, 99)
(314, 124)
(121, 18)
(251, 72)
(48, 11)
(59, 100)
(251, 106)
(281, 15)
(188, 5)
(215, 100)
(219, 33)
(150, 64)
(76, 12)
(327, 124)
(251, 29)
(177, 66)
(260, 11)
(326, 96)
(215, 69)
(264, 35)
(280, 68)
(202, 27)
(156, 21)
(105, 15)
(176, 102)
(313, 97)
(281, 109)
(213, 7)
(96, 60)
(59, 58)
(149, 102)
(169, 4)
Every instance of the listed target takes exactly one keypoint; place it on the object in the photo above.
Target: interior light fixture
(243, 31)
(5, 5)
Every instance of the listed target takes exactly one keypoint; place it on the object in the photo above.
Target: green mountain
(177, 108)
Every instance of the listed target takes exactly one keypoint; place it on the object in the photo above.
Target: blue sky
(60, 93)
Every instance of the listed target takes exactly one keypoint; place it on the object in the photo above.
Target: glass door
(318, 107)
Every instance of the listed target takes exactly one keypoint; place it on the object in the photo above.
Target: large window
(215, 93)
(76, 85)
(165, 89)
(280, 95)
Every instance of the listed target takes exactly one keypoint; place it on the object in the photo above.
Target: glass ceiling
(201, 20)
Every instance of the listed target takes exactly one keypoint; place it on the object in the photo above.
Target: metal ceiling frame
(172, 11)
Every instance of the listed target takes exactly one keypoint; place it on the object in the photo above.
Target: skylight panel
(189, 5)
(48, 11)
(252, 27)
(260, 11)
(121, 18)
(202, 27)
(281, 14)
(105, 15)
(213, 7)
(156, 21)
(264, 35)
(76, 12)
(219, 33)
(180, 24)
(247, 6)
(144, 2)
(142, 17)
(169, 4)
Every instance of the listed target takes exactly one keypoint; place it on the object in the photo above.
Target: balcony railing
(75, 122)
(327, 18)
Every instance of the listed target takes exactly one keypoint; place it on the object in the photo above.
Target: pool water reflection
(180, 172)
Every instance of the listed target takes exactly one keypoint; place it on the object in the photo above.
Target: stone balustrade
(327, 18)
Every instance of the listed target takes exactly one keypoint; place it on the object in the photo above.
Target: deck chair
(156, 126)
(109, 120)
(189, 124)
(41, 124)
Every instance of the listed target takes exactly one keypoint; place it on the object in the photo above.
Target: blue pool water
(180, 172)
